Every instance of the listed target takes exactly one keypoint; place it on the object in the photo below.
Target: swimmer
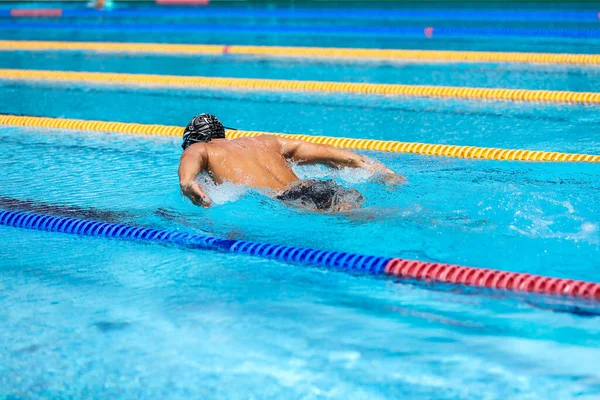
(263, 162)
(101, 4)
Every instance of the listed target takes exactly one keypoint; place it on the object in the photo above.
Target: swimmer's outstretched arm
(311, 153)
(193, 161)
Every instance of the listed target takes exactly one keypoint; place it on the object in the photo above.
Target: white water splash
(226, 192)
(349, 175)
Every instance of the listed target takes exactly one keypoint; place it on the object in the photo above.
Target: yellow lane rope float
(550, 96)
(472, 152)
(305, 52)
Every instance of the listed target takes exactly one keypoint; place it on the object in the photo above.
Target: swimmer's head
(203, 128)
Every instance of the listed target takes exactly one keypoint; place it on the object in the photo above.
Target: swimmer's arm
(192, 162)
(311, 153)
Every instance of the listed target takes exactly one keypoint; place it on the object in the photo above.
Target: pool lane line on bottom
(335, 260)
(334, 54)
(443, 150)
(284, 85)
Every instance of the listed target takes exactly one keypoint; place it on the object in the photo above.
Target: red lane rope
(183, 2)
(36, 12)
(492, 279)
(334, 260)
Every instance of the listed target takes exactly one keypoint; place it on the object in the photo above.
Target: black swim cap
(203, 128)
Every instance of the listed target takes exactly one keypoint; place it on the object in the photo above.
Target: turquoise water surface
(96, 318)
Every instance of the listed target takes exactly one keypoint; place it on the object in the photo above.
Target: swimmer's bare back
(263, 162)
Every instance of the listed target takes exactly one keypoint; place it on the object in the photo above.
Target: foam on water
(224, 193)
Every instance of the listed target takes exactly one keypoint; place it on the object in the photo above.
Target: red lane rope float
(182, 2)
(36, 12)
(492, 279)
(334, 260)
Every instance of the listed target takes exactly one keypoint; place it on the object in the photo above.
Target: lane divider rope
(303, 52)
(278, 85)
(375, 31)
(307, 13)
(349, 262)
(32, 12)
(469, 152)
(182, 3)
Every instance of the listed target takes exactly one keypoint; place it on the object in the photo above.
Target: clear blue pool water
(92, 318)
(551, 44)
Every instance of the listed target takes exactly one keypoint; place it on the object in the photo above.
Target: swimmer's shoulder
(198, 147)
(198, 150)
(270, 141)
(267, 138)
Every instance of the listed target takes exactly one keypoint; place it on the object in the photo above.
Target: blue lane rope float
(332, 259)
(471, 15)
(428, 32)
(349, 262)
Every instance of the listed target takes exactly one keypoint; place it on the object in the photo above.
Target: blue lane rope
(322, 258)
(349, 262)
(331, 30)
(473, 15)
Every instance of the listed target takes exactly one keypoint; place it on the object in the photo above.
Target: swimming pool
(87, 317)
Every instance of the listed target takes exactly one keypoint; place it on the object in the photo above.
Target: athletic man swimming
(263, 162)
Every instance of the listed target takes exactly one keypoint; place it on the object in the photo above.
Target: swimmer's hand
(383, 174)
(194, 192)
(394, 179)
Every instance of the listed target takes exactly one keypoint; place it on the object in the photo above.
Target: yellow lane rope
(305, 52)
(551, 96)
(484, 153)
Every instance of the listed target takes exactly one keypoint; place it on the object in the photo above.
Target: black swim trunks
(321, 195)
